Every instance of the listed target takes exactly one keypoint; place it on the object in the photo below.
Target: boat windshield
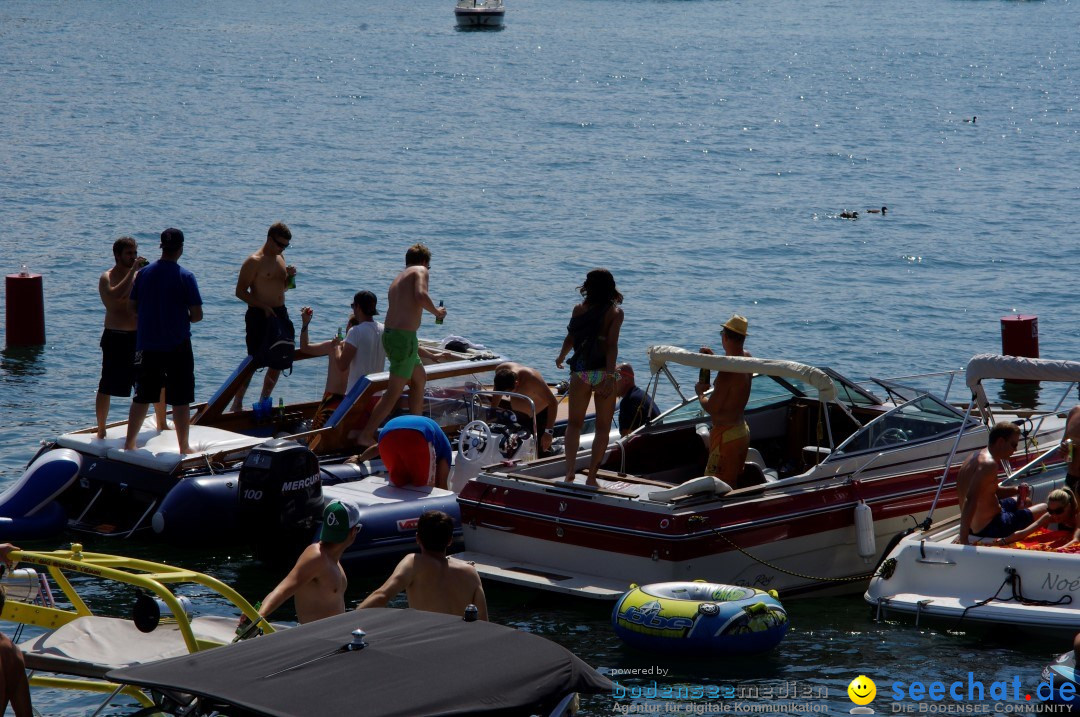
(764, 391)
(921, 419)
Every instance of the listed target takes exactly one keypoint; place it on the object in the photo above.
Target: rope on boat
(852, 578)
(1016, 583)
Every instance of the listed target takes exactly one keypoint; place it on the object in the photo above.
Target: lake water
(700, 149)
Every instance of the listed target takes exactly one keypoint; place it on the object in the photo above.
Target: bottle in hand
(439, 319)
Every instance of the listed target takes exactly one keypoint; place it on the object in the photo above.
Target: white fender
(864, 532)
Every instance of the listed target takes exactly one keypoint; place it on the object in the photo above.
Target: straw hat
(738, 324)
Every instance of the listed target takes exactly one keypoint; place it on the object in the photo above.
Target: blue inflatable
(28, 509)
(699, 618)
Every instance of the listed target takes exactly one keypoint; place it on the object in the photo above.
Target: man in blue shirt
(415, 451)
(635, 406)
(166, 299)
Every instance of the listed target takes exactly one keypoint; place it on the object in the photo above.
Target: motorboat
(375, 661)
(833, 472)
(94, 486)
(389, 513)
(70, 642)
(1034, 583)
(479, 14)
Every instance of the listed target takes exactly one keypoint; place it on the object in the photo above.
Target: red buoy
(1020, 336)
(25, 309)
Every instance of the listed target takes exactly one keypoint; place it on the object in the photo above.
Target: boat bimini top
(994, 366)
(661, 356)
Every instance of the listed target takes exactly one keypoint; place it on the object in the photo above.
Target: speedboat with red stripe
(832, 473)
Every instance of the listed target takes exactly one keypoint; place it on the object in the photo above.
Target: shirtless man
(337, 378)
(517, 378)
(985, 512)
(317, 582)
(432, 581)
(261, 285)
(118, 339)
(14, 687)
(1071, 446)
(729, 439)
(408, 299)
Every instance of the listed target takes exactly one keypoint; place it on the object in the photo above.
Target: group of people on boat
(146, 346)
(1006, 514)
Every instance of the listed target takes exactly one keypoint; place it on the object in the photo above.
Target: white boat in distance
(479, 13)
(928, 575)
(823, 449)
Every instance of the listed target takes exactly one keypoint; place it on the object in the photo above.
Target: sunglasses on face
(1055, 511)
(281, 244)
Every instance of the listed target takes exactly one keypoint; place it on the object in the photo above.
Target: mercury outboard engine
(280, 499)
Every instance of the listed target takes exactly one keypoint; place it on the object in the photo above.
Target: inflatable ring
(699, 617)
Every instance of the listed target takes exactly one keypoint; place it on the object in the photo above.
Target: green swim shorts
(403, 350)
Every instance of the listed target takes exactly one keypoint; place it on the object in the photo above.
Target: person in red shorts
(414, 450)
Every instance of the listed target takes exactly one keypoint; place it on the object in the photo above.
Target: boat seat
(753, 456)
(156, 450)
(91, 645)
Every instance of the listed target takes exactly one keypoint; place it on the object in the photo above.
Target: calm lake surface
(700, 149)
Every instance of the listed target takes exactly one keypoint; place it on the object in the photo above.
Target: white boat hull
(934, 577)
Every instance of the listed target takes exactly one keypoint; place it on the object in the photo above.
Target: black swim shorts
(255, 324)
(173, 369)
(117, 362)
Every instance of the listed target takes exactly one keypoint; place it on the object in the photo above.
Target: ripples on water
(702, 150)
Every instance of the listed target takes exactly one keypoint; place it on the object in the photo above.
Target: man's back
(164, 291)
(370, 356)
(441, 584)
(404, 310)
(977, 481)
(731, 391)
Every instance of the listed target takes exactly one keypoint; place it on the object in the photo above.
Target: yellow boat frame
(145, 574)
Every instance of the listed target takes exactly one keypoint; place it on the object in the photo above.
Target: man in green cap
(317, 582)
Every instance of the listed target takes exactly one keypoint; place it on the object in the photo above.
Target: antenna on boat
(929, 520)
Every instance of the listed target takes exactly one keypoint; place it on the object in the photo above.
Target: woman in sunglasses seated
(1061, 515)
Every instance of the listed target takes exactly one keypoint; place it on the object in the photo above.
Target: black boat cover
(415, 663)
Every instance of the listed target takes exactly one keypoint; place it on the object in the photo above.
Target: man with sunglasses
(988, 509)
(261, 285)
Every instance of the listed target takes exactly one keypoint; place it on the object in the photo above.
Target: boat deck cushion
(156, 450)
(90, 646)
(376, 489)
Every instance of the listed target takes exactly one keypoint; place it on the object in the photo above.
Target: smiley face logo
(862, 690)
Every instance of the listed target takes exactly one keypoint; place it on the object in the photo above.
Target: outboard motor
(281, 499)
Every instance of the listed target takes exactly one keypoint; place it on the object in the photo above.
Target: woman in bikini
(593, 334)
(1061, 514)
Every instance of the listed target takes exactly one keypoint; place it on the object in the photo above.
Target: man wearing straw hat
(729, 439)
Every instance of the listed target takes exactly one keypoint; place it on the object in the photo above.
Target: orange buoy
(25, 309)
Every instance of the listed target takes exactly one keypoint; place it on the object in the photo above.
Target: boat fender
(864, 532)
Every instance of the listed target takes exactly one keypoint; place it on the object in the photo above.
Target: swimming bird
(972, 120)
(883, 210)
(849, 215)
